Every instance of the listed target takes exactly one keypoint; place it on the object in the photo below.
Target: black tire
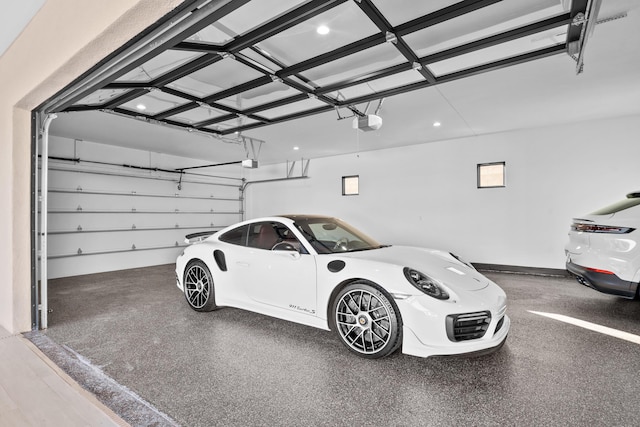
(367, 320)
(198, 287)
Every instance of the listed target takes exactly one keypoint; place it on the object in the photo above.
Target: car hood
(437, 264)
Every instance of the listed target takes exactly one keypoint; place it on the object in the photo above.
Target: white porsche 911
(321, 272)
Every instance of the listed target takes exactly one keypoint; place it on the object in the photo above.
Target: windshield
(330, 235)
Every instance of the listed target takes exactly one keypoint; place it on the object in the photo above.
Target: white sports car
(321, 272)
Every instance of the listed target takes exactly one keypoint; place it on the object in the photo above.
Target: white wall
(427, 194)
(100, 200)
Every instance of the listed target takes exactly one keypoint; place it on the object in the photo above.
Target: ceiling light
(141, 107)
(323, 30)
(296, 148)
(436, 124)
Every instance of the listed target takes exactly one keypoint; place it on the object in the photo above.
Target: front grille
(467, 326)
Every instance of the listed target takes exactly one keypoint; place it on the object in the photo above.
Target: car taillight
(597, 270)
(595, 228)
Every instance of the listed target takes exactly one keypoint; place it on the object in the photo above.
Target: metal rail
(81, 230)
(155, 178)
(44, 185)
(136, 194)
(117, 251)
(135, 211)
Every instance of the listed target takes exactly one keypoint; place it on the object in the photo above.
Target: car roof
(299, 216)
(283, 218)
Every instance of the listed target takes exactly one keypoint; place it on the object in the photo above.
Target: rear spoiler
(197, 237)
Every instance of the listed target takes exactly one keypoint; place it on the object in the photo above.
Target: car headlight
(426, 284)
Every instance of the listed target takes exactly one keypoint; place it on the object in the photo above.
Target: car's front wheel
(366, 320)
(198, 287)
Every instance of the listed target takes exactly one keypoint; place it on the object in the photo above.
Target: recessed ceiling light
(296, 148)
(436, 124)
(141, 107)
(323, 30)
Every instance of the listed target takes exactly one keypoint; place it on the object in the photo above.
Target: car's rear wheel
(198, 287)
(366, 320)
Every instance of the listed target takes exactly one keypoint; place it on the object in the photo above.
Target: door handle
(242, 264)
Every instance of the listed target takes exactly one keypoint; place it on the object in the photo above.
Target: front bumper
(427, 330)
(490, 343)
(602, 282)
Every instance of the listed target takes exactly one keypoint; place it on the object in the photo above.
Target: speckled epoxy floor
(231, 367)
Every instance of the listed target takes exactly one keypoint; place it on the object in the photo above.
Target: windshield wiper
(369, 249)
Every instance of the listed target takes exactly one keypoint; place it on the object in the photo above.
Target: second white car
(603, 251)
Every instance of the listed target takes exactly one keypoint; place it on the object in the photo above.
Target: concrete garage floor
(231, 367)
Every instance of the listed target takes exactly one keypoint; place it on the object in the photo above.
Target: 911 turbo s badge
(306, 310)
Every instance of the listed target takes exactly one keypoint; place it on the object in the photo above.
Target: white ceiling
(540, 93)
(14, 17)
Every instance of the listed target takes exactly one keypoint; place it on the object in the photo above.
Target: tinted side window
(237, 236)
(263, 235)
(617, 207)
(270, 236)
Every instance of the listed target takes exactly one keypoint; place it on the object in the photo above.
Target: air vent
(467, 326)
(499, 325)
